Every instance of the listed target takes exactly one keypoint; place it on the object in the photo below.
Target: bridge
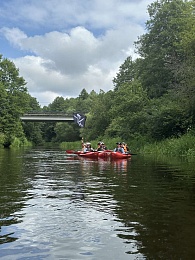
(47, 117)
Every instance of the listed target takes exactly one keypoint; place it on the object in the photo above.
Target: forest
(153, 96)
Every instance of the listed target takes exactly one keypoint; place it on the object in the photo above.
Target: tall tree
(126, 114)
(98, 117)
(126, 73)
(158, 47)
(13, 100)
(186, 70)
(33, 130)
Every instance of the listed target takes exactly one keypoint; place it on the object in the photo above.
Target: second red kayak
(118, 155)
(93, 155)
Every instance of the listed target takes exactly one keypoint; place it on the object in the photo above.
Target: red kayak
(118, 155)
(93, 155)
(104, 154)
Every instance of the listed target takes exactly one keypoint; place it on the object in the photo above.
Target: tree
(58, 105)
(126, 73)
(83, 95)
(167, 118)
(33, 130)
(126, 113)
(83, 102)
(158, 48)
(186, 70)
(13, 101)
(66, 132)
(98, 117)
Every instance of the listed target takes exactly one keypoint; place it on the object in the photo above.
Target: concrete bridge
(47, 117)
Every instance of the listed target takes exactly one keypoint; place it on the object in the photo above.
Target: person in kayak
(88, 148)
(119, 148)
(101, 146)
(125, 147)
(83, 144)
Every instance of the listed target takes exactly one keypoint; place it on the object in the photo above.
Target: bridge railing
(38, 116)
(45, 113)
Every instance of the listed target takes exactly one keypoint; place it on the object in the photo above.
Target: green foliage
(84, 101)
(2, 139)
(71, 145)
(66, 132)
(126, 116)
(13, 101)
(158, 47)
(33, 132)
(167, 118)
(9, 77)
(58, 105)
(183, 146)
(83, 95)
(20, 142)
(98, 118)
(126, 73)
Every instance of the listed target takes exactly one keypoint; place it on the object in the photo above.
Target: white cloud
(14, 35)
(82, 46)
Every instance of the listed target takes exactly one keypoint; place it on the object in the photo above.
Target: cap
(119, 143)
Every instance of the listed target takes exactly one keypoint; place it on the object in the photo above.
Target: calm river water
(55, 206)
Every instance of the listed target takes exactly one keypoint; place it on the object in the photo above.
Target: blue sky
(63, 46)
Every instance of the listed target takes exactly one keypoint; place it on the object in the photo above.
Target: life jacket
(118, 150)
(100, 149)
(125, 148)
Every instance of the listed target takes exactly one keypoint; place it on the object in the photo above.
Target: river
(57, 206)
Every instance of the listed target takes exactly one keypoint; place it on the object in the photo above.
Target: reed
(183, 146)
(71, 145)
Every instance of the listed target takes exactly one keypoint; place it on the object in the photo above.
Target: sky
(63, 46)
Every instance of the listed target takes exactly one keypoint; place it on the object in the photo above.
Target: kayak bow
(93, 155)
(118, 155)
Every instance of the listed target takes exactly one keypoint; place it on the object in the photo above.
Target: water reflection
(56, 206)
(13, 195)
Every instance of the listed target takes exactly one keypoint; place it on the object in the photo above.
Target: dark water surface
(55, 206)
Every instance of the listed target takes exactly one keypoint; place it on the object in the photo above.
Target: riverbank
(182, 146)
(16, 143)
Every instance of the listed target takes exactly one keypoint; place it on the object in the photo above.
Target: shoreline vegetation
(16, 142)
(182, 146)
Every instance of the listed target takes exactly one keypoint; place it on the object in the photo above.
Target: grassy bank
(183, 146)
